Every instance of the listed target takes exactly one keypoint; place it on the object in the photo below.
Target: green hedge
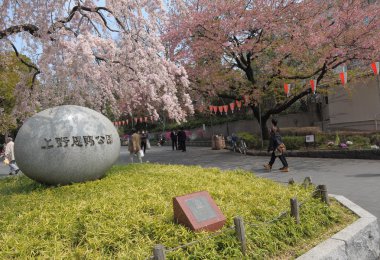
(252, 141)
(375, 139)
(294, 142)
(125, 214)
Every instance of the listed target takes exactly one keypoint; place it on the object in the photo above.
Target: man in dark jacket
(275, 145)
(182, 140)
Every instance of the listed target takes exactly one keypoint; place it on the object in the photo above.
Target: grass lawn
(130, 210)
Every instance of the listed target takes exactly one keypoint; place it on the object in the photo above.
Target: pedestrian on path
(134, 146)
(173, 137)
(144, 137)
(9, 154)
(182, 140)
(277, 147)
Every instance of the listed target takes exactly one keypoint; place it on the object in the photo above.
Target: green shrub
(375, 139)
(300, 131)
(359, 140)
(125, 214)
(321, 139)
(252, 141)
(293, 142)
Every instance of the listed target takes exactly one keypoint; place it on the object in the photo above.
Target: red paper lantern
(126, 122)
(225, 107)
(287, 89)
(135, 119)
(313, 84)
(215, 109)
(146, 119)
(238, 104)
(220, 109)
(343, 75)
(375, 67)
(232, 106)
(211, 108)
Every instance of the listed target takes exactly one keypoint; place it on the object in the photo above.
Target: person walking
(9, 154)
(182, 140)
(277, 147)
(173, 137)
(144, 138)
(134, 146)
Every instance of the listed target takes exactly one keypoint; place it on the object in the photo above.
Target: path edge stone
(360, 240)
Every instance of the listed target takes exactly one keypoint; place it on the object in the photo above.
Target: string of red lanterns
(134, 119)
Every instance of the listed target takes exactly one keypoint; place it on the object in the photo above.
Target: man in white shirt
(10, 155)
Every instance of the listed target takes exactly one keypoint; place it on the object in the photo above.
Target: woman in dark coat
(275, 142)
(182, 140)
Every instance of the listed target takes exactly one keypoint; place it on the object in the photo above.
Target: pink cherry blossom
(108, 57)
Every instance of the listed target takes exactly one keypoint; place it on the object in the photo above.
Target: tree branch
(30, 28)
(281, 107)
(37, 71)
(35, 31)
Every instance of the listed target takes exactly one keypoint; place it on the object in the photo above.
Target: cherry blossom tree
(272, 43)
(106, 55)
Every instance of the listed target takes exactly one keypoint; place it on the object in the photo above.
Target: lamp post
(376, 120)
(261, 128)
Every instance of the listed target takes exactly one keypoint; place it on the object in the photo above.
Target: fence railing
(160, 251)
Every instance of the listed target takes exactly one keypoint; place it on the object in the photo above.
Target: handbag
(281, 149)
(141, 152)
(6, 161)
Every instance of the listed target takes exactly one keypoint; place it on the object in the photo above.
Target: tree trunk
(264, 119)
(264, 128)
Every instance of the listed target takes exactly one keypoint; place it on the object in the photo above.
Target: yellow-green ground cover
(130, 210)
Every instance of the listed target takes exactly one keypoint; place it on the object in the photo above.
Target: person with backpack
(277, 147)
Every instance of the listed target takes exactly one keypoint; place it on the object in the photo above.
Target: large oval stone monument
(66, 144)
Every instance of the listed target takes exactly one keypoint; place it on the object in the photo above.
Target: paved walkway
(358, 180)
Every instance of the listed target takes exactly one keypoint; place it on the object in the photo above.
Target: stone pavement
(358, 180)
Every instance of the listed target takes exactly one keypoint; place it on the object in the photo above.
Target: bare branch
(35, 31)
(32, 66)
(30, 28)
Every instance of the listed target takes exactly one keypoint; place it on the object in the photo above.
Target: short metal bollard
(240, 233)
(294, 209)
(159, 252)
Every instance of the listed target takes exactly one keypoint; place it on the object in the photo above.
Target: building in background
(356, 107)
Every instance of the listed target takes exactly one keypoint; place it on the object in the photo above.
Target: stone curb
(360, 240)
(336, 154)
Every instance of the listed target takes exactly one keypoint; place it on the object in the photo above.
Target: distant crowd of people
(138, 142)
